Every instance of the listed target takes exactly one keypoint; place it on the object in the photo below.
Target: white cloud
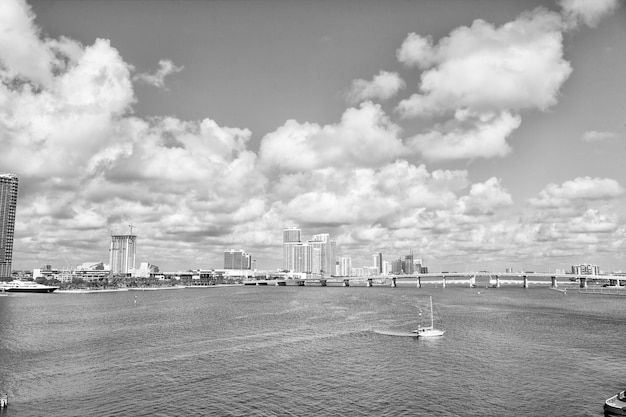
(485, 198)
(588, 11)
(417, 51)
(483, 76)
(594, 136)
(484, 68)
(384, 86)
(23, 51)
(166, 67)
(592, 221)
(579, 189)
(364, 137)
(483, 138)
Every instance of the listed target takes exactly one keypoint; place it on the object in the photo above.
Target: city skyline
(486, 135)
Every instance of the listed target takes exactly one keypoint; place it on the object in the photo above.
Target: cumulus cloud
(166, 67)
(485, 197)
(484, 76)
(384, 86)
(23, 51)
(364, 137)
(484, 68)
(587, 12)
(485, 137)
(579, 189)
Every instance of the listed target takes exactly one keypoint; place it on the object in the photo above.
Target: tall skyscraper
(122, 254)
(8, 206)
(291, 238)
(237, 259)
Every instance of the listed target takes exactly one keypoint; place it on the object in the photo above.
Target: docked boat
(616, 405)
(26, 286)
(429, 331)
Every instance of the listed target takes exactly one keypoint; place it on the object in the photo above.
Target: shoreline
(178, 287)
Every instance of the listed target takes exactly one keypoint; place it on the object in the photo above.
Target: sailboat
(429, 331)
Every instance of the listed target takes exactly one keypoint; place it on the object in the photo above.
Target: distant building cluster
(237, 259)
(315, 256)
(585, 269)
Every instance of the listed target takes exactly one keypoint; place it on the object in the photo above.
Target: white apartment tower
(291, 238)
(345, 266)
(323, 254)
(8, 206)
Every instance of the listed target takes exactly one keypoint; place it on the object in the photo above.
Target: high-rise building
(8, 206)
(408, 266)
(585, 269)
(237, 259)
(291, 237)
(302, 258)
(378, 261)
(122, 254)
(345, 266)
(325, 253)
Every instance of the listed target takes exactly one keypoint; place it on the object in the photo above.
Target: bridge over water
(443, 279)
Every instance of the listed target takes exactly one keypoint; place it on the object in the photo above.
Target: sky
(476, 134)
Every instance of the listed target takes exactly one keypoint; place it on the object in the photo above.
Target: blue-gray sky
(478, 134)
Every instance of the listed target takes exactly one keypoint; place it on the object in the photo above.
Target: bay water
(303, 351)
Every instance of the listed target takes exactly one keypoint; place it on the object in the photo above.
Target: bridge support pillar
(525, 281)
(583, 282)
(393, 282)
(443, 281)
(554, 283)
(369, 282)
(346, 283)
(419, 282)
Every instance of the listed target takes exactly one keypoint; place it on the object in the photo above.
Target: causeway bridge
(444, 279)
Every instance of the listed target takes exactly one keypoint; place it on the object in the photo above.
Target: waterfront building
(146, 270)
(291, 238)
(396, 267)
(302, 258)
(378, 261)
(345, 266)
(237, 259)
(122, 254)
(323, 254)
(585, 269)
(408, 266)
(8, 206)
(386, 267)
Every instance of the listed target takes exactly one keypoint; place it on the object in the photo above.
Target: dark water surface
(300, 351)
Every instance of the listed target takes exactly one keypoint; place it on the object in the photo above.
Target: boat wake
(394, 333)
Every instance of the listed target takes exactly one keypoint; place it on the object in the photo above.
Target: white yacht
(25, 286)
